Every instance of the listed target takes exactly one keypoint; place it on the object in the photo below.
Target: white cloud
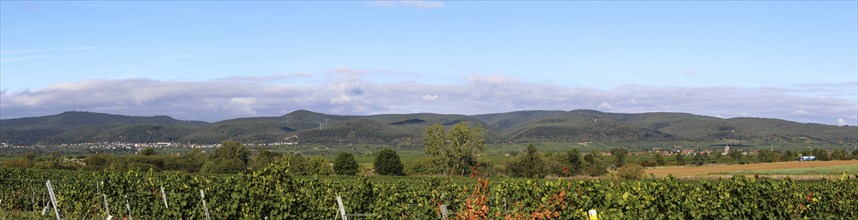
(605, 106)
(242, 106)
(421, 4)
(429, 97)
(841, 121)
(349, 91)
(341, 99)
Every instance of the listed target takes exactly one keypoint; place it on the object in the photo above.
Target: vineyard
(275, 194)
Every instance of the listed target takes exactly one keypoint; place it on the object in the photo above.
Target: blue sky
(791, 60)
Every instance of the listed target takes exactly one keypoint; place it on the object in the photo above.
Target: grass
(851, 169)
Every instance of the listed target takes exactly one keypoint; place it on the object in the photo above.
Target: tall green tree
(528, 164)
(659, 159)
(573, 157)
(765, 156)
(736, 155)
(821, 154)
(387, 163)
(788, 155)
(147, 151)
(263, 158)
(839, 154)
(680, 159)
(454, 151)
(345, 164)
(595, 166)
(230, 157)
(619, 155)
(855, 154)
(232, 150)
(699, 159)
(317, 165)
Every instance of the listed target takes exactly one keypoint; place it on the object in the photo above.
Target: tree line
(453, 151)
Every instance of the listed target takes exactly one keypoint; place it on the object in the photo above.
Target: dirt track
(687, 171)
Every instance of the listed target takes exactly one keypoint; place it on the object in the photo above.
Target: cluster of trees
(767, 156)
(231, 157)
(448, 152)
(531, 163)
(456, 152)
(145, 160)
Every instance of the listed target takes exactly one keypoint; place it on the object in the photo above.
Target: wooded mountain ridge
(407, 129)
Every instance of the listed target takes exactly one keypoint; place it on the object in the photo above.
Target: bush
(631, 171)
(345, 164)
(597, 169)
(528, 164)
(422, 166)
(387, 163)
(147, 151)
(231, 157)
(98, 160)
(234, 165)
(648, 163)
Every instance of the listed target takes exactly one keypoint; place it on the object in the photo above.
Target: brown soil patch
(686, 171)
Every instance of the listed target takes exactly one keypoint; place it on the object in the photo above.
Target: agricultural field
(275, 194)
(792, 169)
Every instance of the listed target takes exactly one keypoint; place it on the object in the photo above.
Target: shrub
(631, 171)
(345, 164)
(528, 164)
(648, 163)
(387, 163)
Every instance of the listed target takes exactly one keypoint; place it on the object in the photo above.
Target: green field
(851, 169)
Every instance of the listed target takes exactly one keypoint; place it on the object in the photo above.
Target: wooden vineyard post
(206, 208)
(128, 207)
(443, 208)
(164, 196)
(47, 206)
(53, 199)
(342, 209)
(106, 207)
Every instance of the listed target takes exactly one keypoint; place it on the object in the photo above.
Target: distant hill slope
(85, 127)
(407, 129)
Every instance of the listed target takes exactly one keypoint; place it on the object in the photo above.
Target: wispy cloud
(14, 59)
(350, 91)
(13, 56)
(408, 3)
(265, 79)
(82, 48)
(16, 52)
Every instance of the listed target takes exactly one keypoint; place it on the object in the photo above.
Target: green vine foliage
(272, 192)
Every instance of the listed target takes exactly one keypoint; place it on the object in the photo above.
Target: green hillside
(87, 127)
(407, 129)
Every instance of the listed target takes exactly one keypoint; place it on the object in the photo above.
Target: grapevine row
(275, 194)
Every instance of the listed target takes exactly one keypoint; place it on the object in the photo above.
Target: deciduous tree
(455, 151)
(387, 163)
(573, 157)
(528, 164)
(345, 164)
(619, 155)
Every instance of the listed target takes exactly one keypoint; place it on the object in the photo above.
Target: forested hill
(407, 129)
